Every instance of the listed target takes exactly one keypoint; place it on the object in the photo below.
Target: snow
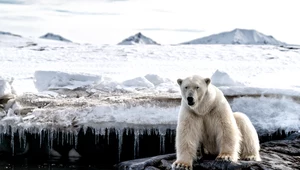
(138, 38)
(5, 87)
(49, 80)
(270, 114)
(138, 82)
(118, 85)
(155, 79)
(220, 78)
(267, 115)
(238, 36)
(56, 37)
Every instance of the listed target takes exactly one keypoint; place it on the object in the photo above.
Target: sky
(165, 21)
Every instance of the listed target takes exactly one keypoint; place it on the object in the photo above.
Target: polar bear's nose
(190, 99)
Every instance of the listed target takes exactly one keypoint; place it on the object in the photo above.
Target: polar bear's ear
(179, 81)
(207, 80)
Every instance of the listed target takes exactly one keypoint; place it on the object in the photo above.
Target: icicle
(1, 133)
(5, 130)
(24, 140)
(93, 131)
(107, 136)
(76, 139)
(162, 143)
(71, 137)
(48, 138)
(84, 128)
(41, 137)
(120, 137)
(149, 131)
(12, 142)
(136, 143)
(54, 135)
(20, 137)
(102, 132)
(172, 133)
(97, 133)
(51, 138)
(62, 137)
(67, 137)
(162, 136)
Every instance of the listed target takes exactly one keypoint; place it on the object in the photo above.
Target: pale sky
(165, 21)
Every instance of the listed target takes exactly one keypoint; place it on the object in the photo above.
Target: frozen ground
(72, 84)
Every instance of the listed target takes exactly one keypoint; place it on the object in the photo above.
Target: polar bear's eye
(197, 87)
(186, 87)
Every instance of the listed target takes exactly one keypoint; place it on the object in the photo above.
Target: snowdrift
(220, 78)
(5, 87)
(55, 80)
(50, 80)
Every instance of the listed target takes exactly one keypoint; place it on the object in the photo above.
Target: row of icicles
(71, 136)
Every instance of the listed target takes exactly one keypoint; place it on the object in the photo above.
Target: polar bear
(206, 119)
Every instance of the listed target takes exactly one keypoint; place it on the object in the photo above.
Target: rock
(56, 37)
(167, 165)
(139, 164)
(280, 154)
(151, 168)
(138, 38)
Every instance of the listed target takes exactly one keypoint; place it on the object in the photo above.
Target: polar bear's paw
(177, 165)
(250, 158)
(224, 157)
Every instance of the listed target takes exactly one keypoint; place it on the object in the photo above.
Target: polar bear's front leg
(229, 142)
(188, 136)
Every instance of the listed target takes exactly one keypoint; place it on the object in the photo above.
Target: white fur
(250, 143)
(211, 123)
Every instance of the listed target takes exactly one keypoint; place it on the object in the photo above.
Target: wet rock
(151, 168)
(280, 154)
(145, 162)
(166, 164)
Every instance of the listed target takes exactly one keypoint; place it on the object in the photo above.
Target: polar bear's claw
(224, 157)
(181, 166)
(249, 158)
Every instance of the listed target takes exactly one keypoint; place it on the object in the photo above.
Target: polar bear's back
(250, 142)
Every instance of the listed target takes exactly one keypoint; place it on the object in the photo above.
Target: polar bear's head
(193, 89)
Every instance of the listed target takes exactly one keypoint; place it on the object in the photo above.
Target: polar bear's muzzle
(190, 101)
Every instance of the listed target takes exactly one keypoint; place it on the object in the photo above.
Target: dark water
(44, 163)
(97, 151)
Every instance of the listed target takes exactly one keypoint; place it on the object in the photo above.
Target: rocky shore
(277, 154)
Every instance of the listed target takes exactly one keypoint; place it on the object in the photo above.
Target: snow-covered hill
(52, 36)
(8, 33)
(238, 36)
(138, 38)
